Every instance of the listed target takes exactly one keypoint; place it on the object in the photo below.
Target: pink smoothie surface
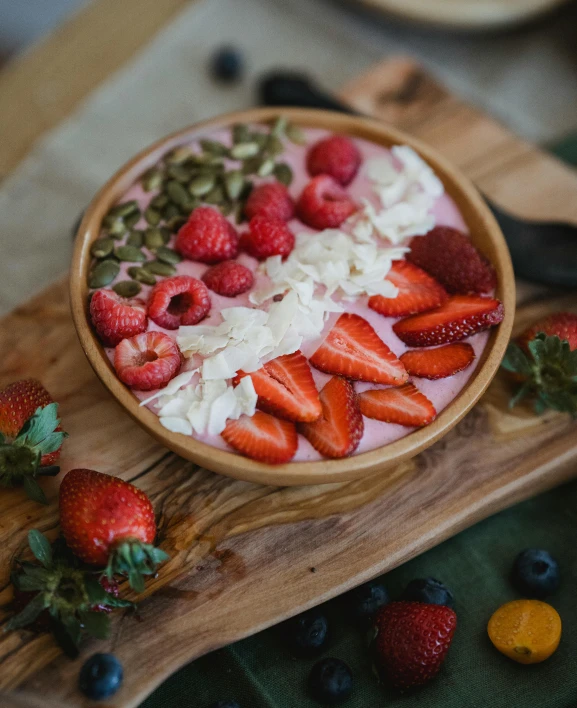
(376, 433)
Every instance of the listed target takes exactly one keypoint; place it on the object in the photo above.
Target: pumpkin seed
(260, 139)
(250, 167)
(141, 275)
(233, 183)
(123, 209)
(178, 155)
(170, 211)
(103, 273)
(175, 223)
(152, 179)
(243, 151)
(214, 147)
(158, 268)
(239, 213)
(115, 226)
(153, 239)
(201, 185)
(295, 134)
(274, 146)
(266, 168)
(226, 208)
(102, 248)
(152, 216)
(240, 133)
(127, 288)
(135, 238)
(131, 254)
(167, 255)
(283, 173)
(177, 193)
(159, 201)
(132, 219)
(179, 173)
(215, 196)
(279, 127)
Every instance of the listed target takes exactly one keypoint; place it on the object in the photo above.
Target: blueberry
(536, 573)
(428, 590)
(100, 676)
(330, 681)
(227, 64)
(225, 704)
(367, 599)
(307, 633)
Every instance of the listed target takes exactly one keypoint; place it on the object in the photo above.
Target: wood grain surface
(242, 555)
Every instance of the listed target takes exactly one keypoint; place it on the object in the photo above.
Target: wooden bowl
(485, 235)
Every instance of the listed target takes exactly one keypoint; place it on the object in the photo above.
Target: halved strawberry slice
(262, 437)
(340, 429)
(354, 350)
(439, 363)
(404, 405)
(418, 292)
(285, 388)
(460, 317)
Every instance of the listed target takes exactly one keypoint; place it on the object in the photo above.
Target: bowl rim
(303, 472)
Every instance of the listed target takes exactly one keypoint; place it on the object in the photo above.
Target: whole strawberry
(544, 360)
(30, 436)
(412, 641)
(109, 523)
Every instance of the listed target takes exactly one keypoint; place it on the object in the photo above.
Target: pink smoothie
(376, 433)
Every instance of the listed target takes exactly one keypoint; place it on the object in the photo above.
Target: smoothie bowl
(293, 296)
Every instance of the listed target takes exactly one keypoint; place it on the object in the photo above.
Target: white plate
(466, 14)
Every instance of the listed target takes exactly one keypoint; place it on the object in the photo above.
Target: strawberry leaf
(34, 490)
(516, 360)
(39, 425)
(51, 443)
(96, 624)
(40, 547)
(29, 613)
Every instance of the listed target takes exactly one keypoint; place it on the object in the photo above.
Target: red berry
(418, 292)
(177, 301)
(114, 318)
(450, 257)
(559, 324)
(262, 437)
(438, 363)
(403, 405)
(324, 204)
(412, 641)
(272, 200)
(147, 361)
(229, 279)
(207, 237)
(267, 237)
(336, 156)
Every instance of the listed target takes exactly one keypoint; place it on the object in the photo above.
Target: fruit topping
(460, 317)
(404, 405)
(418, 292)
(147, 361)
(412, 641)
(271, 199)
(228, 278)
(354, 350)
(535, 573)
(285, 388)
(365, 600)
(207, 237)
(338, 432)
(100, 676)
(324, 204)
(450, 257)
(330, 681)
(267, 236)
(438, 363)
(227, 64)
(307, 633)
(180, 300)
(336, 156)
(114, 317)
(262, 437)
(429, 591)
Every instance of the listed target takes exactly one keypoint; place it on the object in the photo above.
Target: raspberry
(177, 301)
(147, 361)
(207, 237)
(228, 278)
(324, 204)
(115, 318)
(272, 200)
(450, 257)
(336, 156)
(267, 237)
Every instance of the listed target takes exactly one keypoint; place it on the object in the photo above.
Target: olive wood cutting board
(243, 555)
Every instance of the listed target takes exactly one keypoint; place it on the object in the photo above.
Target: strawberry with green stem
(109, 523)
(61, 595)
(544, 360)
(30, 436)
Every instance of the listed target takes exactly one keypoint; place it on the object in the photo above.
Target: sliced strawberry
(404, 405)
(439, 363)
(460, 317)
(340, 429)
(354, 350)
(418, 292)
(286, 388)
(262, 437)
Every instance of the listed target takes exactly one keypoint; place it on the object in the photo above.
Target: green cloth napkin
(260, 672)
